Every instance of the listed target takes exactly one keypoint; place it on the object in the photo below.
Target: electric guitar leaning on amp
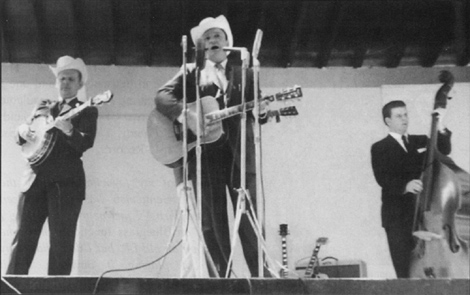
(312, 268)
(283, 232)
(167, 148)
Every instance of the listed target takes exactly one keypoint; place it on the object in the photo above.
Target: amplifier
(335, 268)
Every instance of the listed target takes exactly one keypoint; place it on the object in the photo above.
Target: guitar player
(55, 189)
(221, 77)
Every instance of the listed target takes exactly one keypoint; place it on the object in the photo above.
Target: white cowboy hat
(209, 23)
(69, 63)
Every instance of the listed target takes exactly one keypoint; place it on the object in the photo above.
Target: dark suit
(220, 164)
(393, 168)
(54, 190)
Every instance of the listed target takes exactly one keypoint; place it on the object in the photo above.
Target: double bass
(439, 250)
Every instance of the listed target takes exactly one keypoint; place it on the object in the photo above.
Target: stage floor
(114, 285)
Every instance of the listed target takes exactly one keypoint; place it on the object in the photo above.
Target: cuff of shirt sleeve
(180, 118)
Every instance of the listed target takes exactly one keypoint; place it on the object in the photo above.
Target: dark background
(375, 33)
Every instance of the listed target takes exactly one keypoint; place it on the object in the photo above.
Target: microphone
(234, 48)
(257, 43)
(200, 53)
(184, 43)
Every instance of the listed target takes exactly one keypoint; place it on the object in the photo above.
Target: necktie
(221, 79)
(405, 141)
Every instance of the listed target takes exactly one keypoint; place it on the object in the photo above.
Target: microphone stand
(184, 44)
(259, 191)
(200, 64)
(243, 194)
(188, 191)
(241, 202)
(245, 63)
(200, 58)
(186, 188)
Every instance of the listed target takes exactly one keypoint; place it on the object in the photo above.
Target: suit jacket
(169, 102)
(64, 162)
(394, 167)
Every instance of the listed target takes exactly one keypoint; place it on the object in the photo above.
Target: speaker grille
(338, 269)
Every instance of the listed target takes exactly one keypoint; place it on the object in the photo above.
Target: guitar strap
(66, 107)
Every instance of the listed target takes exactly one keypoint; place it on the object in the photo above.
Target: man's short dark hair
(387, 109)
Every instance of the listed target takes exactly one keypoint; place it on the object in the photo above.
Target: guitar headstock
(101, 98)
(286, 94)
(283, 231)
(290, 93)
(322, 241)
(288, 111)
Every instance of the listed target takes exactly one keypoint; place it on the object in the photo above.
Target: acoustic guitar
(38, 147)
(166, 146)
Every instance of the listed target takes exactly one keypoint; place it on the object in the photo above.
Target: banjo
(39, 145)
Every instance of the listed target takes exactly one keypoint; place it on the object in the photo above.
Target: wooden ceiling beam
(116, 30)
(41, 30)
(78, 18)
(337, 15)
(462, 32)
(438, 35)
(394, 54)
(394, 35)
(5, 34)
(296, 36)
(359, 55)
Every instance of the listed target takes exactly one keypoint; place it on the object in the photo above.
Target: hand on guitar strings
(192, 124)
(64, 125)
(263, 108)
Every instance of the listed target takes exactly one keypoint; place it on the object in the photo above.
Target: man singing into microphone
(220, 78)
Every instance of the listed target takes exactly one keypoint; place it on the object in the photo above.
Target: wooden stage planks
(115, 285)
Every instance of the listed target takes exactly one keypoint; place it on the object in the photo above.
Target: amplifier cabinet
(336, 269)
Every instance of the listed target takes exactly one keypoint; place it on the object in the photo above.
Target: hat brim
(76, 64)
(210, 23)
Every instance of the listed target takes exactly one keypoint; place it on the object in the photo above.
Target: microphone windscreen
(184, 43)
(200, 53)
(257, 43)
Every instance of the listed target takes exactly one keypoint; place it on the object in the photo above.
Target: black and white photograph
(235, 147)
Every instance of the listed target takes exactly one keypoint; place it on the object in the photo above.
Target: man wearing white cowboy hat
(55, 189)
(220, 78)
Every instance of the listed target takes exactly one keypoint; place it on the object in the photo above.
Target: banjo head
(37, 148)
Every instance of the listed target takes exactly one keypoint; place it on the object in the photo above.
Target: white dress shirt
(399, 139)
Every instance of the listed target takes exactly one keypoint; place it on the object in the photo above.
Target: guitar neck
(228, 112)
(213, 117)
(283, 232)
(284, 256)
(313, 260)
(75, 111)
